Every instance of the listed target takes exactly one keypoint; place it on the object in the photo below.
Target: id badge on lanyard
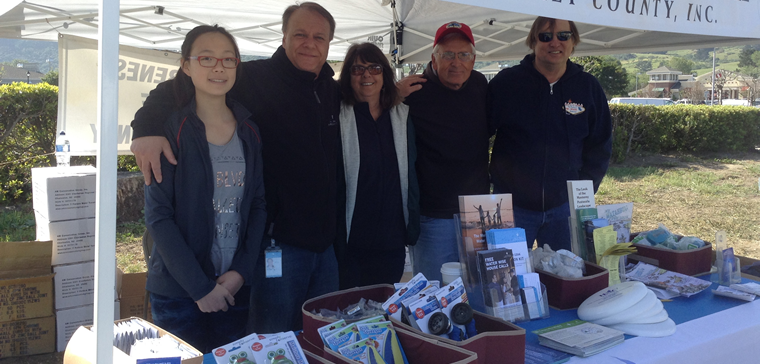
(273, 261)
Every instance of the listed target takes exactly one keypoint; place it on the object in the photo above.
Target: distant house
(728, 85)
(23, 72)
(663, 82)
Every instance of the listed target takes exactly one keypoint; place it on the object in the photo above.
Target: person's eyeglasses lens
(374, 69)
(450, 56)
(211, 62)
(561, 36)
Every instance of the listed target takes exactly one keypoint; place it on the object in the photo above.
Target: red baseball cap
(453, 27)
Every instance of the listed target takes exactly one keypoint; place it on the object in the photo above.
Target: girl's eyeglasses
(211, 62)
(561, 36)
(374, 69)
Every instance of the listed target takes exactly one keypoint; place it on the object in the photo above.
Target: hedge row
(683, 128)
(28, 123)
(28, 116)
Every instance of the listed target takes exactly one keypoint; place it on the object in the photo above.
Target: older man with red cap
(447, 106)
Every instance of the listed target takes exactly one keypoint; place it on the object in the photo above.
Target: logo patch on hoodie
(572, 108)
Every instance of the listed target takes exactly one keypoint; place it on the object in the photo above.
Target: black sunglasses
(374, 69)
(561, 36)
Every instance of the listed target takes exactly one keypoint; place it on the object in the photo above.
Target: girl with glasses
(382, 211)
(207, 215)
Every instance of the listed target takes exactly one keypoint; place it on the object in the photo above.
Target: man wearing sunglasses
(451, 126)
(552, 125)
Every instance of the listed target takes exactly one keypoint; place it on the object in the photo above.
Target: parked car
(684, 102)
(642, 101)
(736, 102)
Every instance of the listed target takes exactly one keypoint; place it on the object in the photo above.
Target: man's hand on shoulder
(409, 84)
(147, 151)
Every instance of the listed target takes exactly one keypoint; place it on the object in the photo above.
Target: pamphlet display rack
(535, 308)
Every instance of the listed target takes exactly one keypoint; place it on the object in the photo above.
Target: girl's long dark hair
(184, 90)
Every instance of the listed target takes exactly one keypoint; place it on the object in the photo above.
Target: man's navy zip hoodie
(547, 134)
(301, 141)
(179, 211)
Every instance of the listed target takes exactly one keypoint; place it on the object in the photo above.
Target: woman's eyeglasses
(561, 36)
(211, 62)
(374, 69)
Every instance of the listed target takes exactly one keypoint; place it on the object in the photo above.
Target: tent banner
(140, 70)
(736, 18)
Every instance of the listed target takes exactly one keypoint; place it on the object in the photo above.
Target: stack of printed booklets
(579, 338)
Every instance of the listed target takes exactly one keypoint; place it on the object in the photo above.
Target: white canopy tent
(653, 25)
(606, 27)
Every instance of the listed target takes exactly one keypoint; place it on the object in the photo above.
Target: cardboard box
(60, 193)
(26, 298)
(132, 295)
(25, 259)
(27, 326)
(80, 347)
(73, 240)
(689, 262)
(69, 320)
(26, 285)
(27, 337)
(74, 285)
(568, 293)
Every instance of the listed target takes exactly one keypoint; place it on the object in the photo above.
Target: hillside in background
(45, 53)
(725, 58)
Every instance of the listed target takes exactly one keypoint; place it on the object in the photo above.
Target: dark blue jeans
(436, 245)
(204, 331)
(548, 227)
(276, 302)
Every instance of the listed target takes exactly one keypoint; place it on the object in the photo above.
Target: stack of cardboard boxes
(27, 324)
(64, 209)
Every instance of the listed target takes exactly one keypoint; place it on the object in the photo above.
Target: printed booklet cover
(477, 215)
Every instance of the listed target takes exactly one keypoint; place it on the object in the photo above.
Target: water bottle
(62, 150)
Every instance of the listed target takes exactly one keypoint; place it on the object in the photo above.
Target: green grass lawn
(691, 195)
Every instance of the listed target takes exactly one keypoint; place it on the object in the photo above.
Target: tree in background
(703, 54)
(745, 57)
(643, 65)
(682, 64)
(609, 71)
(51, 78)
(752, 70)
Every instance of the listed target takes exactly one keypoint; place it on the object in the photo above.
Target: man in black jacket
(553, 125)
(449, 116)
(295, 102)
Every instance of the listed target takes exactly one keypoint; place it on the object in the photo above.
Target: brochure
(733, 293)
(579, 338)
(675, 284)
(620, 216)
(514, 240)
